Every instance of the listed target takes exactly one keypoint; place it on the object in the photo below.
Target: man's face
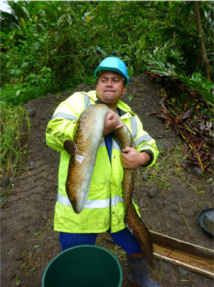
(110, 89)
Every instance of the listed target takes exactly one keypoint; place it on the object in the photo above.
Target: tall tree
(205, 60)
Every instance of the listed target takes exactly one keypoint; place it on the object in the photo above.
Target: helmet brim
(109, 69)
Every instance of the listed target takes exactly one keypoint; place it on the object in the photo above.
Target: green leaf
(18, 92)
(42, 40)
(25, 64)
(32, 75)
(3, 35)
(36, 246)
(198, 87)
(12, 71)
(22, 20)
(18, 72)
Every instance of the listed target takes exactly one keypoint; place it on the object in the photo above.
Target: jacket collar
(123, 109)
(118, 110)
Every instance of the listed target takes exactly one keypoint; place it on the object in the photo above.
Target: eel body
(82, 161)
(83, 154)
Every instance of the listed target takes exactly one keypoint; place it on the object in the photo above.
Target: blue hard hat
(113, 64)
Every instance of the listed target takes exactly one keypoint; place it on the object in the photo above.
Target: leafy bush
(196, 82)
(51, 46)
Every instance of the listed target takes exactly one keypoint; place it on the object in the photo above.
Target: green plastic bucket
(83, 266)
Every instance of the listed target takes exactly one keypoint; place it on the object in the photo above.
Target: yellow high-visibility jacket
(104, 208)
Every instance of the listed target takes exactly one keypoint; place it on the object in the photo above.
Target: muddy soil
(170, 198)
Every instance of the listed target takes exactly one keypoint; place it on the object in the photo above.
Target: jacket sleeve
(145, 143)
(63, 124)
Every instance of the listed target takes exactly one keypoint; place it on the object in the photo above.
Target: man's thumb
(126, 149)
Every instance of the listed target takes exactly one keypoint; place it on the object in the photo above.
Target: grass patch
(15, 129)
(19, 94)
(168, 165)
(170, 168)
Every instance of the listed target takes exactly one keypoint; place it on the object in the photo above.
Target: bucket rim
(202, 215)
(84, 246)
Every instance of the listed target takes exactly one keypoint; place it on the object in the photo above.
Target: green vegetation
(15, 129)
(52, 46)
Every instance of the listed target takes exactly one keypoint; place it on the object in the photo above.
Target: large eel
(83, 153)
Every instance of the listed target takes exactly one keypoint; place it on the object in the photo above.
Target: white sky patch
(4, 6)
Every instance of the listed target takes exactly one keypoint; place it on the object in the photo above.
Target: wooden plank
(187, 255)
(181, 253)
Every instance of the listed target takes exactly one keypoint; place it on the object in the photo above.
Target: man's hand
(132, 159)
(111, 123)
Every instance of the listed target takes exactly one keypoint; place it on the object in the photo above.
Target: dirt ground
(170, 198)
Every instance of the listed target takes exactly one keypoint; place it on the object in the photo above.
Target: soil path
(165, 198)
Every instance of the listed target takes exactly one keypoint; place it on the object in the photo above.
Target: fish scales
(88, 138)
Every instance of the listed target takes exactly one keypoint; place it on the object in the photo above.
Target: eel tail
(140, 232)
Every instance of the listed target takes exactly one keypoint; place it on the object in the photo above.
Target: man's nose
(109, 82)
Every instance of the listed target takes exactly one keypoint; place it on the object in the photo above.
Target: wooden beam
(182, 253)
(185, 254)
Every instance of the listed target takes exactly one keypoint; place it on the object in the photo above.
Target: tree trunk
(205, 60)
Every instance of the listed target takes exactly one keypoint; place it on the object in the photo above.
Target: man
(104, 210)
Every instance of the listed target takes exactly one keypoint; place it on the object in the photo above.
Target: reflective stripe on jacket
(104, 208)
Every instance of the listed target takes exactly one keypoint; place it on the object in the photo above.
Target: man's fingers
(110, 115)
(119, 127)
(127, 149)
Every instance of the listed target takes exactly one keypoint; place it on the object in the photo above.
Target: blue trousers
(123, 238)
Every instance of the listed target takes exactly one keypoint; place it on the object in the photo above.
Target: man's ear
(124, 89)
